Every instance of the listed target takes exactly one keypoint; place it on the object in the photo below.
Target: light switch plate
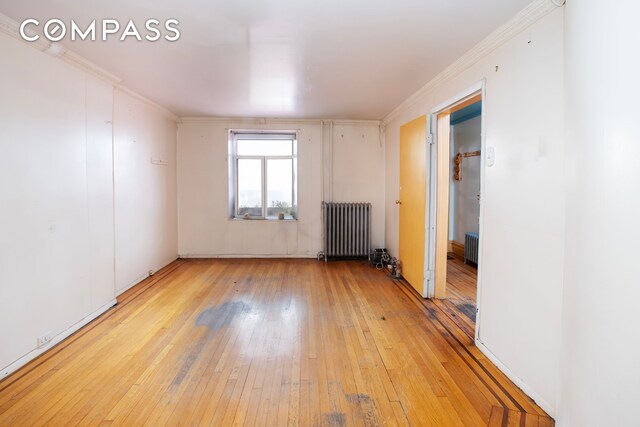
(491, 156)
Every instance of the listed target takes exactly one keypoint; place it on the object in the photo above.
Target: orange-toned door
(412, 202)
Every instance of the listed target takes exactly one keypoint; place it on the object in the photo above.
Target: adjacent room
(337, 213)
(464, 213)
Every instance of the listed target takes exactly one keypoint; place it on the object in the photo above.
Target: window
(262, 175)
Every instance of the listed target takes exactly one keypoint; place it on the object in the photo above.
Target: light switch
(491, 156)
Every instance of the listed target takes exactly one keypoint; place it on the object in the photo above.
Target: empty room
(319, 213)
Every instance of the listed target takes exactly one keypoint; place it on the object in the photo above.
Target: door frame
(431, 220)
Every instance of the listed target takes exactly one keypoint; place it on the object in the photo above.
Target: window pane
(279, 186)
(295, 183)
(250, 187)
(265, 147)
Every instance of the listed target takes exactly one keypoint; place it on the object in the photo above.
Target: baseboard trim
(13, 367)
(144, 276)
(245, 256)
(549, 409)
(458, 249)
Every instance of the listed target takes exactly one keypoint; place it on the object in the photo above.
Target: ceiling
(343, 59)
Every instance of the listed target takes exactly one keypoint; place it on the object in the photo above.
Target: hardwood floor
(267, 342)
(460, 303)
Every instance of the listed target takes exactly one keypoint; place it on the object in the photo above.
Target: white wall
(146, 199)
(56, 197)
(523, 221)
(58, 266)
(204, 226)
(601, 373)
(465, 209)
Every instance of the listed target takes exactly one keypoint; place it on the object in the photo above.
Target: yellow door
(412, 202)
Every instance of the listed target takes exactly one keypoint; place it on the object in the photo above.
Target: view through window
(263, 169)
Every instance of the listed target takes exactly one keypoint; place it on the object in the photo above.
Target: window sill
(269, 219)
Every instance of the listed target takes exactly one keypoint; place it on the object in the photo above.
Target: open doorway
(455, 201)
(464, 210)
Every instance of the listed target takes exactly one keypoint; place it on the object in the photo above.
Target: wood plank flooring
(267, 342)
(460, 302)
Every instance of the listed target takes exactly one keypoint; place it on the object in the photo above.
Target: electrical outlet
(45, 339)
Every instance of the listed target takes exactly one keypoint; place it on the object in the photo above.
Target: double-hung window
(262, 175)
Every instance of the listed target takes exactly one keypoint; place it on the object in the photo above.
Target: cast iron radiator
(347, 230)
(471, 247)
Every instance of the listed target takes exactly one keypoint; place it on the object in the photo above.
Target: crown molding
(245, 120)
(88, 66)
(348, 122)
(266, 121)
(11, 28)
(159, 108)
(520, 22)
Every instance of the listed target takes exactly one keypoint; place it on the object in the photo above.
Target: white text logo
(55, 30)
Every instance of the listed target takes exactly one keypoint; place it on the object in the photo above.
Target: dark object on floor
(379, 258)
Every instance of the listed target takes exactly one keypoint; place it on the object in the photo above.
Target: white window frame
(234, 137)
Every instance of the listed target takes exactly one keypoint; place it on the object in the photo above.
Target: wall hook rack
(457, 163)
